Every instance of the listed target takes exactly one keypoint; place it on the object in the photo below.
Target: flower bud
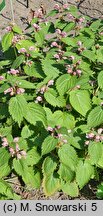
(1, 78)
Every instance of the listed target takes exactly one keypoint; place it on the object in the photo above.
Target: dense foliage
(51, 103)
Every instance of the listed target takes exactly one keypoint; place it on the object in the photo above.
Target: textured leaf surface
(84, 173)
(95, 117)
(64, 83)
(63, 119)
(95, 152)
(66, 173)
(80, 100)
(36, 113)
(17, 108)
(50, 184)
(68, 156)
(7, 41)
(33, 157)
(53, 99)
(49, 144)
(49, 69)
(49, 165)
(100, 78)
(71, 188)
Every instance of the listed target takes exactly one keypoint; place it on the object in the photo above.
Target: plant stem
(12, 12)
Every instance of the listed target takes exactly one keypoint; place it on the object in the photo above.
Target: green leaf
(68, 156)
(17, 29)
(34, 70)
(64, 83)
(2, 5)
(99, 193)
(49, 144)
(71, 188)
(18, 61)
(29, 176)
(17, 108)
(80, 100)
(5, 189)
(49, 70)
(3, 111)
(51, 98)
(69, 41)
(100, 79)
(39, 37)
(49, 165)
(100, 161)
(32, 157)
(95, 152)
(4, 156)
(65, 173)
(35, 113)
(89, 54)
(50, 184)
(95, 117)
(4, 170)
(25, 84)
(95, 25)
(25, 133)
(63, 119)
(7, 41)
(84, 173)
(4, 63)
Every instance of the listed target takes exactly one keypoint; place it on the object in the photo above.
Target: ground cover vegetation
(51, 103)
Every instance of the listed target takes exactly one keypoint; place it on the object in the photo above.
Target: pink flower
(60, 135)
(58, 31)
(79, 72)
(16, 139)
(69, 70)
(49, 128)
(101, 138)
(36, 26)
(13, 72)
(54, 44)
(4, 142)
(97, 138)
(43, 89)
(38, 99)
(18, 156)
(58, 127)
(56, 7)
(87, 142)
(9, 90)
(90, 136)
(8, 29)
(17, 147)
(38, 13)
(74, 73)
(31, 48)
(63, 34)
(72, 57)
(65, 6)
(1, 78)
(82, 19)
(57, 56)
(71, 17)
(12, 152)
(22, 50)
(78, 86)
(100, 130)
(79, 43)
(20, 91)
(50, 82)
(23, 153)
(64, 141)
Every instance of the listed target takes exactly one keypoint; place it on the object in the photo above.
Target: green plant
(51, 102)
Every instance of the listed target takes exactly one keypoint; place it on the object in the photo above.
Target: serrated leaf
(17, 108)
(100, 79)
(69, 41)
(5, 189)
(68, 156)
(65, 173)
(89, 54)
(35, 113)
(63, 119)
(50, 184)
(29, 176)
(7, 41)
(100, 161)
(52, 98)
(49, 144)
(95, 117)
(4, 170)
(49, 165)
(64, 83)
(4, 156)
(17, 29)
(25, 84)
(39, 37)
(71, 188)
(25, 133)
(32, 157)
(49, 69)
(95, 152)
(84, 173)
(18, 61)
(80, 100)
(34, 70)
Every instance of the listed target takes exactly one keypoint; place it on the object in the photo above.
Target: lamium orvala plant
(51, 103)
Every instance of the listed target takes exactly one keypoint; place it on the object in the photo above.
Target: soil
(92, 8)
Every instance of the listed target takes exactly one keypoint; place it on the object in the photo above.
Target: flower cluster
(13, 72)
(97, 137)
(54, 133)
(14, 90)
(71, 69)
(14, 152)
(60, 33)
